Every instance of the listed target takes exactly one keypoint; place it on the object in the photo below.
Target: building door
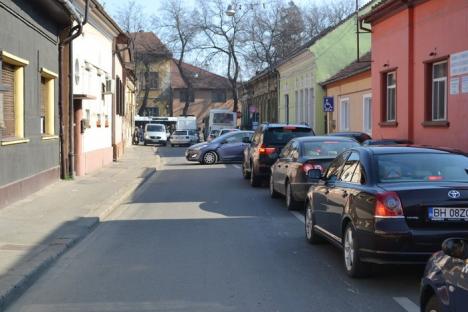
(80, 127)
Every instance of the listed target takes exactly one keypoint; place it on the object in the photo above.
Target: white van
(155, 133)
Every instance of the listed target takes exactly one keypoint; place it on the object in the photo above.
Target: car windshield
(282, 135)
(179, 132)
(422, 167)
(328, 148)
(155, 128)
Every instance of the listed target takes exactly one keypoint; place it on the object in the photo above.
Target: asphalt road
(199, 238)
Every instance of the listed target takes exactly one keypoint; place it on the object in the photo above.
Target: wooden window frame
(50, 78)
(348, 119)
(429, 97)
(364, 97)
(18, 97)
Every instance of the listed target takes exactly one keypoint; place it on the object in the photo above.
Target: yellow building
(352, 96)
(153, 72)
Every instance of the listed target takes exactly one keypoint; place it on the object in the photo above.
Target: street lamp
(231, 11)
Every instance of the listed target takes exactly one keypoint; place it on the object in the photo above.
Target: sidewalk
(38, 229)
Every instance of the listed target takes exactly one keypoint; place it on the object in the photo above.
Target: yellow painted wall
(354, 88)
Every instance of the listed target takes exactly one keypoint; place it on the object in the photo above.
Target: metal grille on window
(7, 117)
(439, 91)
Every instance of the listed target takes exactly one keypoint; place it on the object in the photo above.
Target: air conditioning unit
(110, 86)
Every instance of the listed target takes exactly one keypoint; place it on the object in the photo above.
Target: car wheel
(432, 305)
(172, 145)
(273, 193)
(353, 265)
(210, 158)
(311, 236)
(291, 204)
(145, 143)
(245, 173)
(255, 181)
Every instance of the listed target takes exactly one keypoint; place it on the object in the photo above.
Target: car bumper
(415, 246)
(180, 141)
(152, 140)
(192, 155)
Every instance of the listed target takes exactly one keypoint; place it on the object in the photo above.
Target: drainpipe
(76, 31)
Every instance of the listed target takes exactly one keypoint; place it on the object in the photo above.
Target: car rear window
(326, 148)
(155, 128)
(422, 167)
(282, 135)
(179, 132)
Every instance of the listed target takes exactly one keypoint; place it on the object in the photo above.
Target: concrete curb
(16, 282)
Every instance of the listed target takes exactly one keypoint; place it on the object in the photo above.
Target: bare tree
(320, 17)
(179, 31)
(221, 36)
(291, 30)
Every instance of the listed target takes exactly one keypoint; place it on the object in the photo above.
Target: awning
(83, 97)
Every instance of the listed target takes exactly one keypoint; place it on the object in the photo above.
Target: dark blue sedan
(225, 148)
(444, 287)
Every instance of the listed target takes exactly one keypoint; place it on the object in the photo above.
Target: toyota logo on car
(454, 194)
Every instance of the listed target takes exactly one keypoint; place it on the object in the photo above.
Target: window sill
(48, 137)
(13, 142)
(388, 124)
(436, 124)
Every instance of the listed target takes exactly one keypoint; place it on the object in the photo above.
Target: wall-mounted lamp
(386, 65)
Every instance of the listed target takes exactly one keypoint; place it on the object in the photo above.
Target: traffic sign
(328, 104)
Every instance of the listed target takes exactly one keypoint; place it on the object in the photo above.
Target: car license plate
(448, 213)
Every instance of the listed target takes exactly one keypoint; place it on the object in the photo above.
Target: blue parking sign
(328, 104)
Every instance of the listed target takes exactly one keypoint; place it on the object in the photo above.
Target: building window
(218, 96)
(344, 114)
(298, 108)
(439, 91)
(47, 102)
(183, 96)
(306, 106)
(367, 113)
(12, 98)
(312, 107)
(286, 104)
(390, 97)
(153, 80)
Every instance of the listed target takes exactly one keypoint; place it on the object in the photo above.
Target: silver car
(183, 137)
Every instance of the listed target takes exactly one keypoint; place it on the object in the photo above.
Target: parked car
(183, 137)
(389, 204)
(444, 287)
(228, 147)
(289, 172)
(358, 136)
(267, 142)
(387, 142)
(155, 133)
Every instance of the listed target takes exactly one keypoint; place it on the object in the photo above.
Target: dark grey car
(289, 173)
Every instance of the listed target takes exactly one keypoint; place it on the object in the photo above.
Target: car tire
(432, 305)
(353, 265)
(172, 145)
(273, 193)
(291, 204)
(245, 173)
(164, 144)
(311, 236)
(145, 143)
(210, 158)
(255, 181)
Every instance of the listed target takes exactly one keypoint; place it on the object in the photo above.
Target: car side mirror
(456, 248)
(314, 175)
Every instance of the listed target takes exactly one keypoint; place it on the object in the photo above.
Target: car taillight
(309, 166)
(388, 204)
(266, 150)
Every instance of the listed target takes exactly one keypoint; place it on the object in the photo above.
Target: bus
(218, 119)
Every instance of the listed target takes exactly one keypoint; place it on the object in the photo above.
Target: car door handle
(327, 191)
(286, 166)
(345, 194)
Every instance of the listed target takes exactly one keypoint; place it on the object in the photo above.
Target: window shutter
(7, 127)
(43, 103)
